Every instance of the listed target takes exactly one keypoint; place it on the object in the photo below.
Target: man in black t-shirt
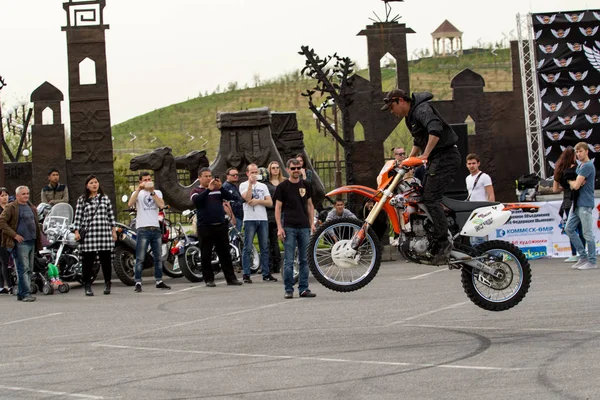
(293, 199)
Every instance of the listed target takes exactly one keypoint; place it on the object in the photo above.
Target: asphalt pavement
(410, 334)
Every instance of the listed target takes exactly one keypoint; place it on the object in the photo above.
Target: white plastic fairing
(484, 220)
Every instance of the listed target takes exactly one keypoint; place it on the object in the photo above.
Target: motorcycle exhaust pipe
(128, 241)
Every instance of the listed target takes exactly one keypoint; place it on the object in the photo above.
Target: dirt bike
(345, 254)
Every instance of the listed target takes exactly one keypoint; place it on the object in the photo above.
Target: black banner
(568, 70)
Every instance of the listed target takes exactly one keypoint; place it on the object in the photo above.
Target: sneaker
(138, 287)
(162, 285)
(307, 293)
(246, 279)
(211, 284)
(288, 295)
(572, 259)
(588, 265)
(579, 263)
(4, 290)
(28, 299)
(269, 278)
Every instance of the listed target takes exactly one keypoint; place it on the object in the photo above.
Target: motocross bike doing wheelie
(345, 254)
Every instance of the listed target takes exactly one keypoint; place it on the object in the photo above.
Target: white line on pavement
(195, 321)
(322, 359)
(424, 275)
(427, 313)
(50, 392)
(32, 318)
(508, 328)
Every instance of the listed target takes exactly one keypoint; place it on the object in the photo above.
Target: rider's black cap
(392, 96)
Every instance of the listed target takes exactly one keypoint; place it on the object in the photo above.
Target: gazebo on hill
(446, 31)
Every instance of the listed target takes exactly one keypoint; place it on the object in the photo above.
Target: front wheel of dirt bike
(498, 293)
(332, 261)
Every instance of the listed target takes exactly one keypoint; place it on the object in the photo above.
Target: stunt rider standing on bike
(435, 140)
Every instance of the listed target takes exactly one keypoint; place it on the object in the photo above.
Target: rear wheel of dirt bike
(124, 265)
(191, 265)
(332, 261)
(498, 293)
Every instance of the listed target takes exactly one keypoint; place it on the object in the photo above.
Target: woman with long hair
(305, 173)
(5, 278)
(94, 215)
(275, 177)
(564, 171)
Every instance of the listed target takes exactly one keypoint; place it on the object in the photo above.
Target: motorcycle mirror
(124, 198)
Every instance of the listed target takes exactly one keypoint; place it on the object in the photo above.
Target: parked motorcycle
(345, 254)
(188, 251)
(62, 249)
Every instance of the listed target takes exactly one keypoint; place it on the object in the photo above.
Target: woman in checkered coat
(94, 214)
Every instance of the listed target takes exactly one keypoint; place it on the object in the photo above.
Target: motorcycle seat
(466, 206)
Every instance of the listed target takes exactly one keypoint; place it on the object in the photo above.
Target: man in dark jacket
(21, 233)
(54, 192)
(212, 227)
(435, 141)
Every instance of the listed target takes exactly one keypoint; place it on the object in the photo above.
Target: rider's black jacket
(424, 120)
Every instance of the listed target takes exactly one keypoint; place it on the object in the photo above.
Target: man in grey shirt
(339, 211)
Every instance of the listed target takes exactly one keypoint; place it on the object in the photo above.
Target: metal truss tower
(531, 95)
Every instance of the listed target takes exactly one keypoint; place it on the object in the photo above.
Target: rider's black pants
(217, 236)
(441, 169)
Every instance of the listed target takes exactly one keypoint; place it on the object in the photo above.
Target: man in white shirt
(147, 201)
(479, 186)
(256, 200)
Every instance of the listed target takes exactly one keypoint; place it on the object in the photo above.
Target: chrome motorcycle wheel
(191, 265)
(333, 262)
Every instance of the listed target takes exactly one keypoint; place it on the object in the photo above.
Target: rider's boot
(441, 252)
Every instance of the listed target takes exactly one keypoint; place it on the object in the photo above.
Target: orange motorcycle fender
(372, 194)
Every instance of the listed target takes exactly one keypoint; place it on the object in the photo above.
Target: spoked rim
(348, 272)
(503, 289)
(128, 262)
(192, 257)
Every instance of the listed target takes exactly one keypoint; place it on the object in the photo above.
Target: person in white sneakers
(256, 200)
(583, 204)
(480, 188)
(147, 201)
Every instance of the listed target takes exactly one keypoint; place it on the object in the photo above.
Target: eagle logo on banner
(589, 31)
(593, 119)
(543, 92)
(574, 47)
(593, 55)
(548, 150)
(591, 89)
(553, 107)
(562, 147)
(538, 34)
(583, 134)
(546, 120)
(566, 91)
(541, 63)
(596, 148)
(578, 76)
(546, 19)
(552, 164)
(555, 136)
(560, 33)
(567, 120)
(548, 49)
(580, 105)
(551, 77)
(563, 62)
(596, 15)
(574, 17)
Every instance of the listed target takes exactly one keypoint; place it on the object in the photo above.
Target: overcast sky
(163, 52)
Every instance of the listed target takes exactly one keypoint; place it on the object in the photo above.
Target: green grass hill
(174, 125)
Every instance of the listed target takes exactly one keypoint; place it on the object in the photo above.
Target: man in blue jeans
(583, 188)
(21, 233)
(256, 200)
(147, 201)
(293, 198)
